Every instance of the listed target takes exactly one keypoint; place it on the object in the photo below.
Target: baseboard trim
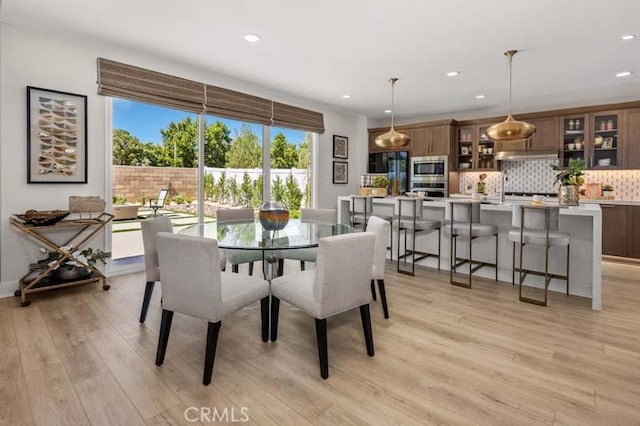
(619, 259)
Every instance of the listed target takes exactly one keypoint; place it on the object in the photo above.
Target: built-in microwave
(429, 169)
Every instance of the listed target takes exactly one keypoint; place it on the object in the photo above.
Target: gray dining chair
(150, 229)
(320, 216)
(237, 256)
(193, 284)
(338, 283)
(381, 228)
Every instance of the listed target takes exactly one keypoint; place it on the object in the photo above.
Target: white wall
(42, 60)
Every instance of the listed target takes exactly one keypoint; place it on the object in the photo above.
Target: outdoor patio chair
(159, 203)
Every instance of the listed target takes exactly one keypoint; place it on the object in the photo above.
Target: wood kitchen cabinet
(632, 139)
(546, 137)
(606, 145)
(431, 140)
(633, 235)
(420, 142)
(614, 229)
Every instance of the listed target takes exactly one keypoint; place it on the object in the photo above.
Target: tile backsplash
(537, 176)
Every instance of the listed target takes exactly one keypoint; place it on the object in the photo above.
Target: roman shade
(139, 84)
(237, 105)
(297, 118)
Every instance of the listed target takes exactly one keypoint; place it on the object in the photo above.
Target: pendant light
(510, 130)
(392, 139)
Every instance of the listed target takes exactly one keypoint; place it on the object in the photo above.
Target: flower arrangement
(482, 185)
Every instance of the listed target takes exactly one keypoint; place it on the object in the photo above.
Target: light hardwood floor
(447, 355)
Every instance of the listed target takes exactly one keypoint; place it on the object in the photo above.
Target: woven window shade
(237, 105)
(139, 84)
(297, 118)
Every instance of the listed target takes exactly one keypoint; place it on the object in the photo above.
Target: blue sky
(144, 121)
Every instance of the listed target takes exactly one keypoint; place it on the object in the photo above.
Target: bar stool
(539, 226)
(412, 221)
(465, 222)
(362, 210)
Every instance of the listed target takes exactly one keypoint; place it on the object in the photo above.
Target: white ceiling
(322, 49)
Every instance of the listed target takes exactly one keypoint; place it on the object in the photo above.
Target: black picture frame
(340, 146)
(340, 172)
(56, 136)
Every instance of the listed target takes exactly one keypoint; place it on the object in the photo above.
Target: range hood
(527, 155)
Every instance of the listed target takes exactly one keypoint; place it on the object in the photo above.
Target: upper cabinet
(474, 150)
(606, 140)
(575, 139)
(546, 137)
(420, 142)
(431, 140)
(632, 139)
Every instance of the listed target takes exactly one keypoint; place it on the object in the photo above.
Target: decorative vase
(607, 194)
(71, 272)
(274, 215)
(569, 195)
(481, 187)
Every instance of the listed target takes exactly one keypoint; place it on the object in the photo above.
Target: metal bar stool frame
(522, 273)
(421, 254)
(455, 261)
(366, 201)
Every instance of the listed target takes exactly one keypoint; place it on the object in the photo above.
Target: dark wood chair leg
(280, 267)
(148, 291)
(275, 310)
(163, 339)
(373, 290)
(250, 268)
(210, 355)
(383, 298)
(234, 269)
(366, 327)
(264, 316)
(302, 265)
(323, 354)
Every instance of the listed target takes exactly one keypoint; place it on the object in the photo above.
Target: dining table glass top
(253, 236)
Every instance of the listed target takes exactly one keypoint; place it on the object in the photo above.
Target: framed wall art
(340, 146)
(56, 136)
(340, 172)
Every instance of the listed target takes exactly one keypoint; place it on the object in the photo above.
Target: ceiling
(319, 50)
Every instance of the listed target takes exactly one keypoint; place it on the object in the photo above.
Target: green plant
(79, 258)
(209, 184)
(293, 197)
(180, 199)
(607, 187)
(574, 175)
(246, 189)
(119, 199)
(380, 182)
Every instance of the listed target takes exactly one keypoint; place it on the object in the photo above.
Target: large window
(156, 148)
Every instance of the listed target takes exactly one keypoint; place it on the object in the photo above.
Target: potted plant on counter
(607, 191)
(380, 184)
(570, 180)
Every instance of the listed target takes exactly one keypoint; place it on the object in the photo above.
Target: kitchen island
(583, 223)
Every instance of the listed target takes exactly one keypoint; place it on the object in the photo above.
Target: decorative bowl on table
(42, 218)
(274, 216)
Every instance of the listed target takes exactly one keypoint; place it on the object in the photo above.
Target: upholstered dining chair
(193, 284)
(338, 283)
(381, 228)
(150, 228)
(321, 216)
(236, 257)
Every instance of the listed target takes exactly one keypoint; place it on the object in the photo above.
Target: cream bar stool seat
(193, 284)
(236, 256)
(465, 222)
(537, 225)
(409, 218)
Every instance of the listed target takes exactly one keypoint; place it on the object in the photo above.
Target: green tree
(217, 143)
(221, 188)
(245, 151)
(180, 144)
(232, 187)
(293, 197)
(246, 189)
(126, 148)
(256, 199)
(278, 189)
(284, 155)
(209, 185)
(304, 153)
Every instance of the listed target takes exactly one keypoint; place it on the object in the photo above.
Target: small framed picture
(340, 146)
(340, 172)
(56, 136)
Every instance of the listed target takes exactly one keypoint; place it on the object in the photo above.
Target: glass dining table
(244, 235)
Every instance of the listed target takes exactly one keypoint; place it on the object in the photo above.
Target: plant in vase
(380, 184)
(607, 190)
(482, 185)
(75, 266)
(570, 180)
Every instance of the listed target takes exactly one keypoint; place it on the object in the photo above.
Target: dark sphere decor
(274, 216)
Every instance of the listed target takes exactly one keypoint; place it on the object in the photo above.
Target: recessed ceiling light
(346, 96)
(628, 37)
(624, 74)
(387, 111)
(251, 38)
(453, 73)
(481, 96)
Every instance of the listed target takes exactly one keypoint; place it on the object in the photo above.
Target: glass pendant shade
(392, 138)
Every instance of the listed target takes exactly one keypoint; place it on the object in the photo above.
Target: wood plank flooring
(447, 355)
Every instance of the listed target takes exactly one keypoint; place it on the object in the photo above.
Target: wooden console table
(37, 280)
